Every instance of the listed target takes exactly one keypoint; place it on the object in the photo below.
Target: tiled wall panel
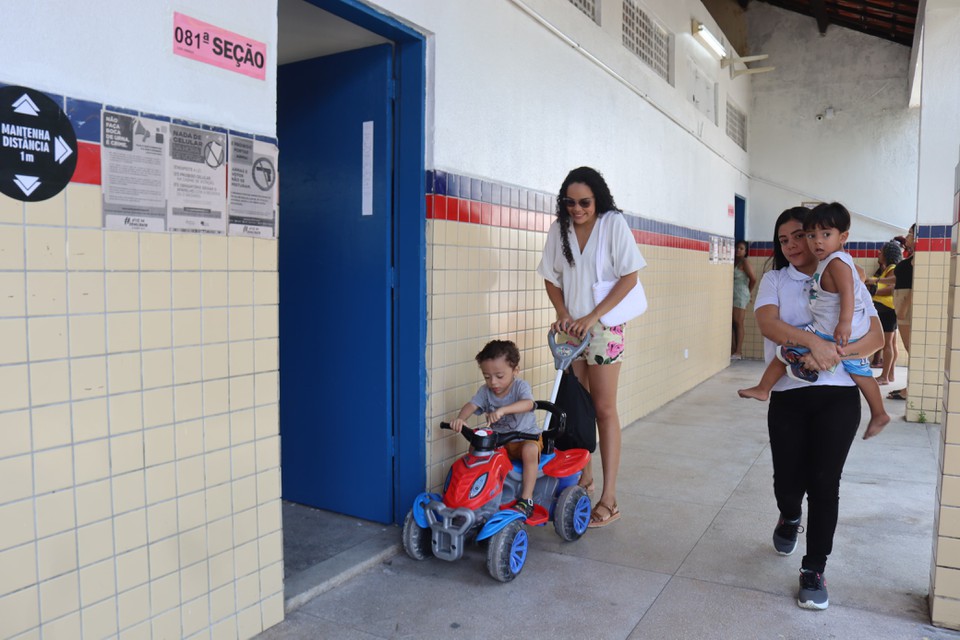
(139, 475)
(940, 297)
(931, 284)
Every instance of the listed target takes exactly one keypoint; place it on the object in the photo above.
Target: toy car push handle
(563, 357)
(565, 354)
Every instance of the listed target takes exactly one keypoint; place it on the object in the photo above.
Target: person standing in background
(743, 283)
(903, 298)
(888, 257)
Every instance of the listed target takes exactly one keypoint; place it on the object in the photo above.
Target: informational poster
(197, 180)
(38, 147)
(132, 163)
(252, 200)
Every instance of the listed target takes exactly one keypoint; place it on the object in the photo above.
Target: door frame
(740, 218)
(409, 245)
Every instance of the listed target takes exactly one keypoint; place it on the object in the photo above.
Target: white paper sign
(252, 199)
(133, 160)
(197, 178)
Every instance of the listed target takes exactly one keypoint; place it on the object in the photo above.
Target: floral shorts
(606, 344)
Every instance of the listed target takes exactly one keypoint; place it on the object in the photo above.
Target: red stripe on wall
(933, 244)
(470, 211)
(88, 163)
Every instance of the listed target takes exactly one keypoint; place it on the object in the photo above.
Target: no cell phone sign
(38, 148)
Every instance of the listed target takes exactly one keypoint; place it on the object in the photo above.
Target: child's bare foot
(882, 381)
(876, 425)
(758, 393)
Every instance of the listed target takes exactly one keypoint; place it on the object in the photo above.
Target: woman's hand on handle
(578, 328)
(562, 324)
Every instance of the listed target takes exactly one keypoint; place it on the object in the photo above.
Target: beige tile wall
(944, 595)
(931, 280)
(482, 285)
(139, 470)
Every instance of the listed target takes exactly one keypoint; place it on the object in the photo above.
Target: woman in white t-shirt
(569, 268)
(811, 425)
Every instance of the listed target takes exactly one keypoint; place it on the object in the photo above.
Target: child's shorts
(515, 448)
(606, 344)
(853, 367)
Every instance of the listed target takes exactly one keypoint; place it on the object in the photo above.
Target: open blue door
(336, 426)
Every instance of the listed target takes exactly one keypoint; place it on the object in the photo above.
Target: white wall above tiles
(530, 123)
(940, 96)
(121, 53)
(865, 156)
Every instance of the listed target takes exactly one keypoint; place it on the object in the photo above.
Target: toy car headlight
(478, 486)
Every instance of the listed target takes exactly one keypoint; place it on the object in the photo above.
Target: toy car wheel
(416, 539)
(507, 552)
(572, 513)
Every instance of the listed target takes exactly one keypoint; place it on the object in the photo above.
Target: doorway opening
(350, 126)
(739, 218)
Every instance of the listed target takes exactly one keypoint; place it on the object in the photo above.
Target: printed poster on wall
(197, 180)
(252, 201)
(132, 159)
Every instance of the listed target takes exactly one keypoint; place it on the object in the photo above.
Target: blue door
(336, 427)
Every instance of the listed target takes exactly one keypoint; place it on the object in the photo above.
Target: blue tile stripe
(445, 183)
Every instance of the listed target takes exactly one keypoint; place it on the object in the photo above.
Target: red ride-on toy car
(483, 485)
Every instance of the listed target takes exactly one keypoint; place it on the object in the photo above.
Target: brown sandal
(598, 519)
(587, 487)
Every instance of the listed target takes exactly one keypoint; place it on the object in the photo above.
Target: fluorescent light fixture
(708, 40)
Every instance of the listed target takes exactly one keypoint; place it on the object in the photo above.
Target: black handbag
(575, 401)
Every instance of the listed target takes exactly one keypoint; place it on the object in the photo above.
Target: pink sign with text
(221, 48)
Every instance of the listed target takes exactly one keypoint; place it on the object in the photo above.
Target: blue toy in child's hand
(480, 492)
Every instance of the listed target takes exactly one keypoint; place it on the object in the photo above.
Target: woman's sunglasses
(570, 203)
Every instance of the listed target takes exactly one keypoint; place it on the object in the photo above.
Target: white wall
(120, 52)
(865, 157)
(940, 106)
(514, 101)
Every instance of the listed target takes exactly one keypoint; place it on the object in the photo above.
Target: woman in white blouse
(811, 425)
(569, 268)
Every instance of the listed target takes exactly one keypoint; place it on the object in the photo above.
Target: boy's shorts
(515, 448)
(859, 367)
(606, 344)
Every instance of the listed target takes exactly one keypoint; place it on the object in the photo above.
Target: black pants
(811, 430)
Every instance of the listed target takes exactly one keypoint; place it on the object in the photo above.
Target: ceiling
(892, 20)
(306, 31)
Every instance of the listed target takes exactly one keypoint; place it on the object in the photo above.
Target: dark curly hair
(603, 202)
(828, 216)
(892, 252)
(500, 348)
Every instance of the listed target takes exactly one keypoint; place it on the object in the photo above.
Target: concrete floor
(691, 557)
